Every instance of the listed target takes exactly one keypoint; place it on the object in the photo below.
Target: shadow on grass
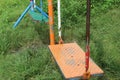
(99, 57)
(43, 31)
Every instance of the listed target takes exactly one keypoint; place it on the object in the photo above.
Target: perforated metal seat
(71, 60)
(37, 16)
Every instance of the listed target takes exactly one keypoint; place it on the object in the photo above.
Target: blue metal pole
(41, 4)
(32, 5)
(22, 15)
(41, 11)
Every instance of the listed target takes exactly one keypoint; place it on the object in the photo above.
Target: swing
(35, 12)
(73, 62)
(37, 16)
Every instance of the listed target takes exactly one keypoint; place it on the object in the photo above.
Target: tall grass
(23, 51)
(28, 64)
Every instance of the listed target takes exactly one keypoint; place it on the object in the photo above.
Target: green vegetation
(24, 54)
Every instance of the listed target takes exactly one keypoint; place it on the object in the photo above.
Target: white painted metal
(59, 19)
(34, 3)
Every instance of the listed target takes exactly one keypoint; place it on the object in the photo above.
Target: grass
(105, 41)
(24, 54)
(29, 64)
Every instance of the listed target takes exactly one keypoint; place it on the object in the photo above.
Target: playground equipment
(73, 62)
(35, 12)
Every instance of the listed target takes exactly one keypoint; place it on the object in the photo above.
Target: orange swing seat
(71, 60)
